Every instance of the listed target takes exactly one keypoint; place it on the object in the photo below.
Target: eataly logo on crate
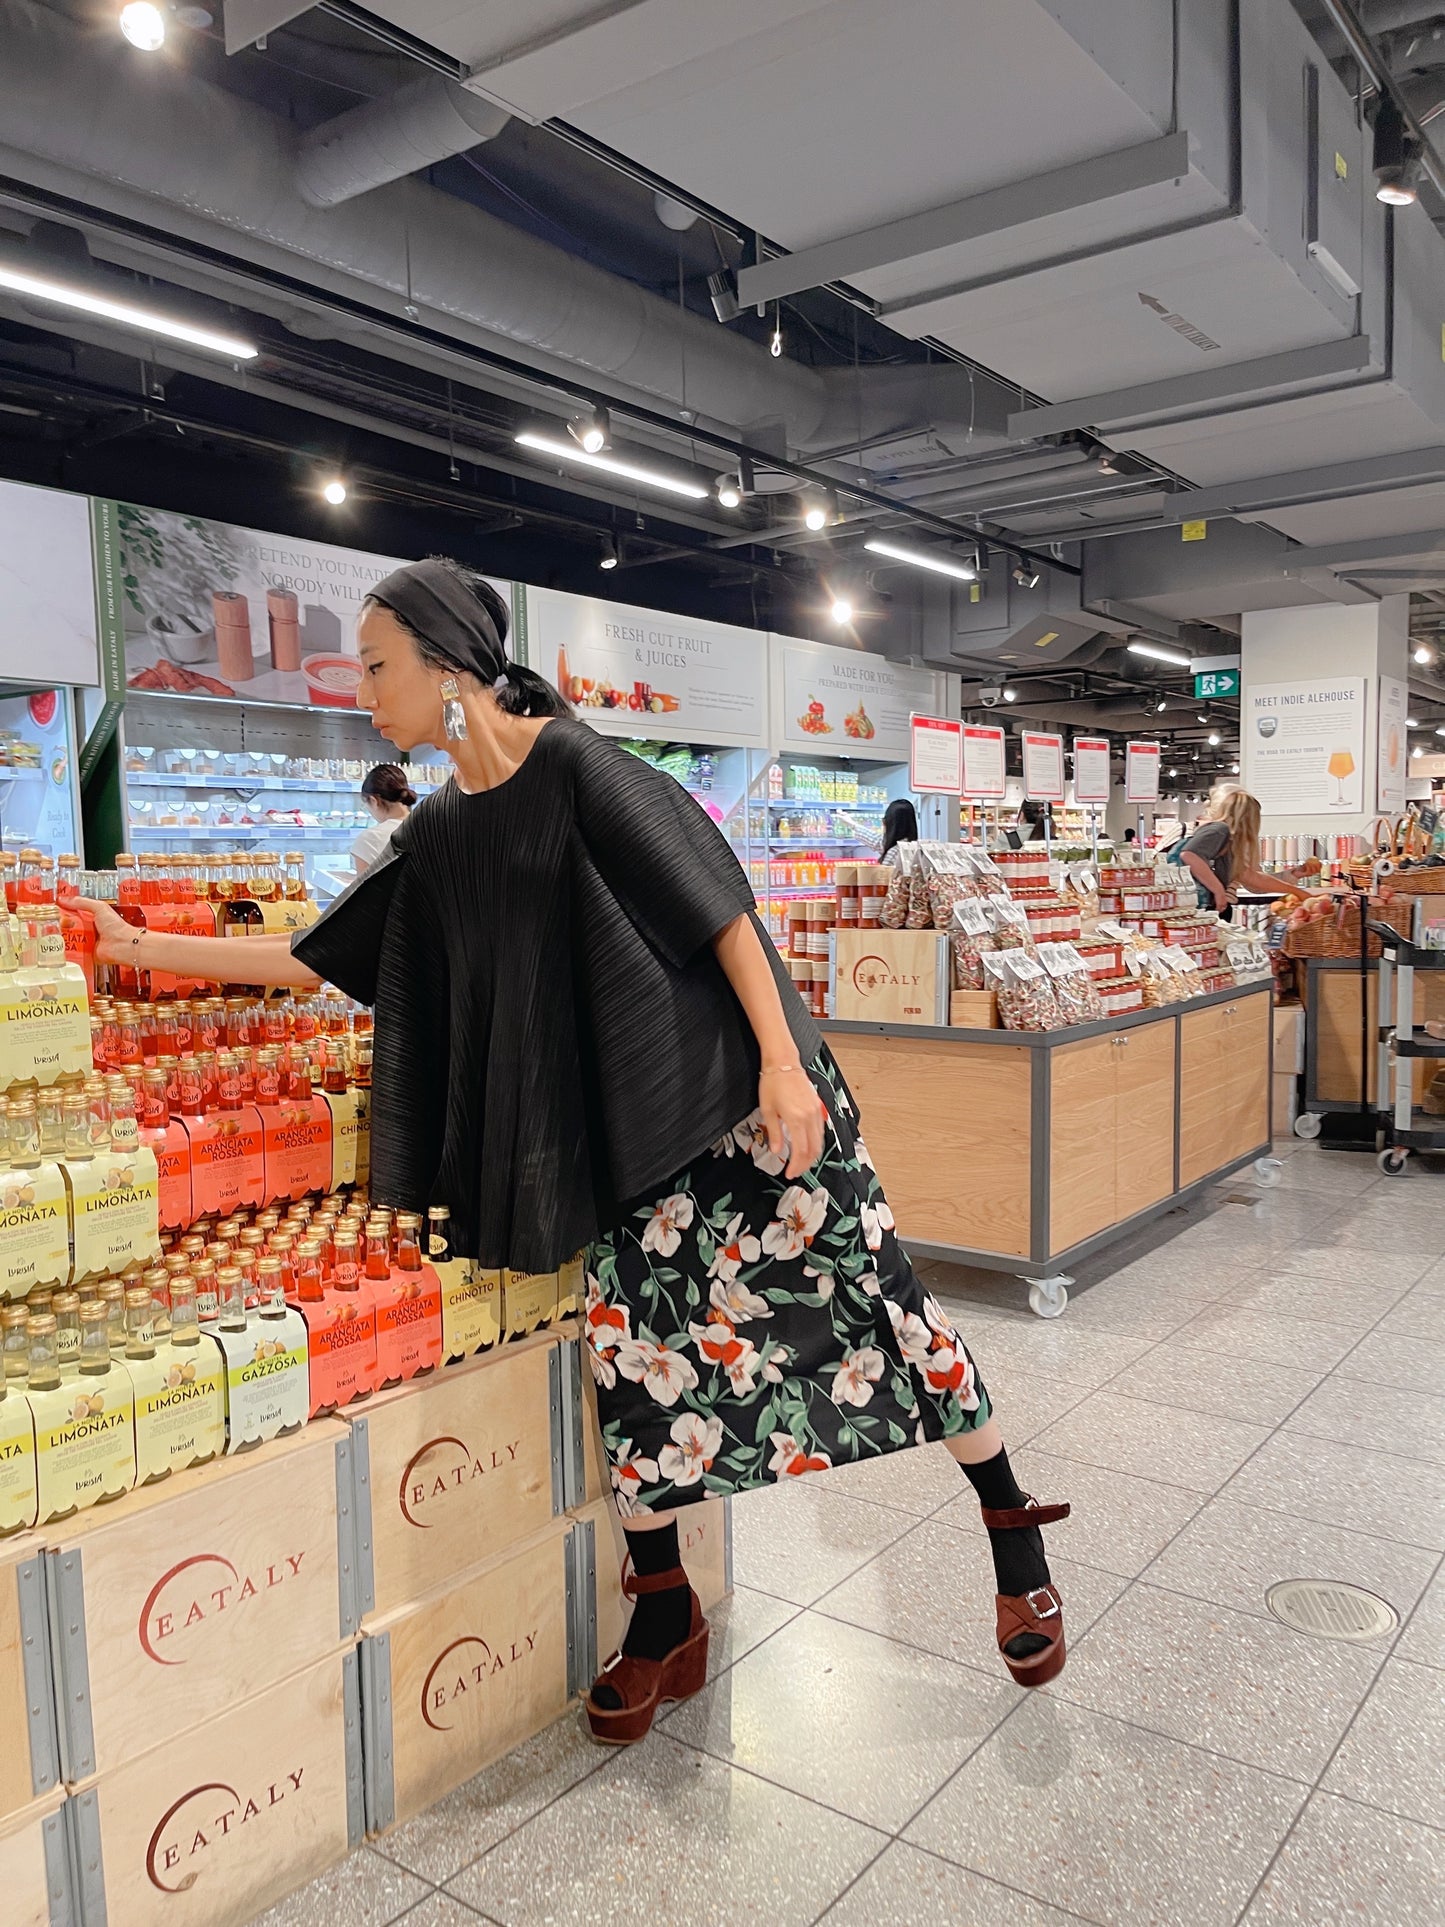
(872, 974)
(204, 1816)
(456, 1469)
(199, 1591)
(462, 1669)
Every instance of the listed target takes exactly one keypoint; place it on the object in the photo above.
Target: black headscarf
(459, 620)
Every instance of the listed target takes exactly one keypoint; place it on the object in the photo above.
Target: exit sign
(1217, 682)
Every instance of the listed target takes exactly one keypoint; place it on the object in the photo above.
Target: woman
(390, 800)
(584, 1039)
(900, 825)
(1222, 852)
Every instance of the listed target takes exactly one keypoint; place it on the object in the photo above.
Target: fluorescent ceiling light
(1158, 654)
(44, 287)
(923, 559)
(1412, 722)
(609, 464)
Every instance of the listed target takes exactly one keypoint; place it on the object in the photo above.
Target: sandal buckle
(1043, 1592)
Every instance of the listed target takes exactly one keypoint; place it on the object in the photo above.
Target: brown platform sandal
(1039, 1611)
(643, 1685)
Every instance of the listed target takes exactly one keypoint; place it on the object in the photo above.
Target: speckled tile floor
(1253, 1390)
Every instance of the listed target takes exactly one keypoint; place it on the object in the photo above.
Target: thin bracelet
(777, 1070)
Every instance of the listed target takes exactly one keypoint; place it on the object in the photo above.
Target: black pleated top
(554, 1035)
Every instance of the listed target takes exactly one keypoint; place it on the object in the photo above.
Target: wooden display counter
(1026, 1150)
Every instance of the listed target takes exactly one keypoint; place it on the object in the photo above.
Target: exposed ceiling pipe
(148, 141)
(1372, 65)
(428, 120)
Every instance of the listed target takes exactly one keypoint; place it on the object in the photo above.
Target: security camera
(990, 698)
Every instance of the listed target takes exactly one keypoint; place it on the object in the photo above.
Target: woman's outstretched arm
(217, 960)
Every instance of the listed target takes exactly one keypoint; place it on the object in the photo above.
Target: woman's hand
(790, 1105)
(114, 937)
(1223, 899)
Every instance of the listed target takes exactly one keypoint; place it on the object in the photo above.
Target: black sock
(1018, 1552)
(660, 1620)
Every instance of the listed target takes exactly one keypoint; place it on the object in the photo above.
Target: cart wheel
(1308, 1124)
(1048, 1296)
(1267, 1172)
(1392, 1162)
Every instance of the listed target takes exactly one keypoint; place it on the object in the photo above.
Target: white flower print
(667, 1375)
(778, 1358)
(855, 1378)
(735, 1249)
(911, 1332)
(938, 1319)
(876, 1218)
(629, 1474)
(751, 1136)
(604, 1372)
(948, 1370)
(717, 1342)
(860, 1151)
(799, 1219)
(695, 1443)
(670, 1218)
(732, 1297)
(790, 1460)
(823, 1280)
(868, 1284)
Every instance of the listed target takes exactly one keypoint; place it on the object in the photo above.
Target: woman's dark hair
(900, 824)
(387, 784)
(523, 692)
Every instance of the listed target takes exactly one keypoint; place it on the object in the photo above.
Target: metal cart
(1405, 1125)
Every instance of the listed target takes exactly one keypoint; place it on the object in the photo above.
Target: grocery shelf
(822, 803)
(13, 773)
(332, 785)
(221, 832)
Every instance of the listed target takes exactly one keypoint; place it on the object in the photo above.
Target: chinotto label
(471, 1307)
(529, 1300)
(206, 1591)
(204, 1818)
(457, 1679)
(34, 1230)
(444, 1468)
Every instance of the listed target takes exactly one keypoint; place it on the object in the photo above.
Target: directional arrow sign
(1217, 682)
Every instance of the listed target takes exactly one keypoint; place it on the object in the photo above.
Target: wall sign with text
(847, 702)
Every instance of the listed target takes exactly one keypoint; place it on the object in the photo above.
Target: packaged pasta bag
(1157, 980)
(1077, 993)
(1185, 966)
(1026, 999)
(894, 913)
(948, 876)
(969, 939)
(1010, 925)
(919, 915)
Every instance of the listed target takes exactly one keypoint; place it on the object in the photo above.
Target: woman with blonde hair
(1222, 852)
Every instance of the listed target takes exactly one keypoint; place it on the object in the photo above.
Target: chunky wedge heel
(1039, 1611)
(643, 1685)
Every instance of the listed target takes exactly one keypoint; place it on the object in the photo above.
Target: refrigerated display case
(806, 815)
(39, 801)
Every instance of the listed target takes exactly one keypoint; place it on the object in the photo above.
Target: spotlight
(819, 511)
(143, 25)
(1235, 768)
(1010, 695)
(1417, 751)
(729, 495)
(591, 431)
(1160, 707)
(1108, 462)
(1173, 772)
(1214, 739)
(1440, 732)
(1412, 722)
(610, 558)
(1026, 578)
(722, 291)
(1396, 158)
(842, 610)
(334, 491)
(1422, 654)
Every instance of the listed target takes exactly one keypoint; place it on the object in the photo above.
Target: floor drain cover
(1330, 1609)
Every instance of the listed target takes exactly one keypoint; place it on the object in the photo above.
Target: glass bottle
(96, 1344)
(346, 1269)
(231, 1288)
(157, 1281)
(37, 878)
(270, 1286)
(185, 1330)
(156, 1106)
(310, 1288)
(208, 1302)
(67, 875)
(50, 1120)
(124, 1130)
(439, 1233)
(128, 879)
(140, 1337)
(42, 1354)
(112, 1303)
(75, 1115)
(295, 884)
(13, 1343)
(9, 876)
(66, 1307)
(24, 1132)
(361, 1063)
(408, 1241)
(378, 1251)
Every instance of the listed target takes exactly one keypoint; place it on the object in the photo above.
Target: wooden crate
(892, 976)
(704, 1534)
(208, 1830)
(29, 1755)
(198, 1593)
(35, 1866)
(457, 1467)
(453, 1681)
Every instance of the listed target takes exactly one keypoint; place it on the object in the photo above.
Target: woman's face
(397, 689)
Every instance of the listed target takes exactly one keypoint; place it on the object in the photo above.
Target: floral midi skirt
(743, 1330)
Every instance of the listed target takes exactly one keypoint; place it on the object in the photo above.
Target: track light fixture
(1026, 577)
(334, 491)
(1417, 751)
(722, 291)
(1215, 739)
(1010, 695)
(729, 495)
(1412, 722)
(1396, 158)
(819, 511)
(1424, 655)
(841, 611)
(591, 431)
(1160, 707)
(144, 25)
(1108, 462)
(609, 558)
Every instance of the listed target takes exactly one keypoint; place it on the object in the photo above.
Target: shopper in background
(1131, 836)
(1222, 852)
(390, 799)
(584, 1039)
(900, 825)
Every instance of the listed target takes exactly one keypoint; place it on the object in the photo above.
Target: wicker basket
(1338, 935)
(1419, 883)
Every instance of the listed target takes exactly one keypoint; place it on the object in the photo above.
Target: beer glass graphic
(1342, 767)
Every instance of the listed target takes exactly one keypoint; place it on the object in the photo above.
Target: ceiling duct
(427, 121)
(153, 143)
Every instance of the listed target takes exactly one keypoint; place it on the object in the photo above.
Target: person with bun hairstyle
(390, 799)
(585, 1043)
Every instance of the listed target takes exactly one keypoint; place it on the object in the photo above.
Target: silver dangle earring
(454, 717)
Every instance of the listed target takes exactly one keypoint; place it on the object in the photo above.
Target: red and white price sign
(1043, 767)
(983, 761)
(1091, 771)
(1141, 772)
(935, 756)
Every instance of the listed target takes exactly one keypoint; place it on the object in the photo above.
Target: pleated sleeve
(344, 944)
(658, 851)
